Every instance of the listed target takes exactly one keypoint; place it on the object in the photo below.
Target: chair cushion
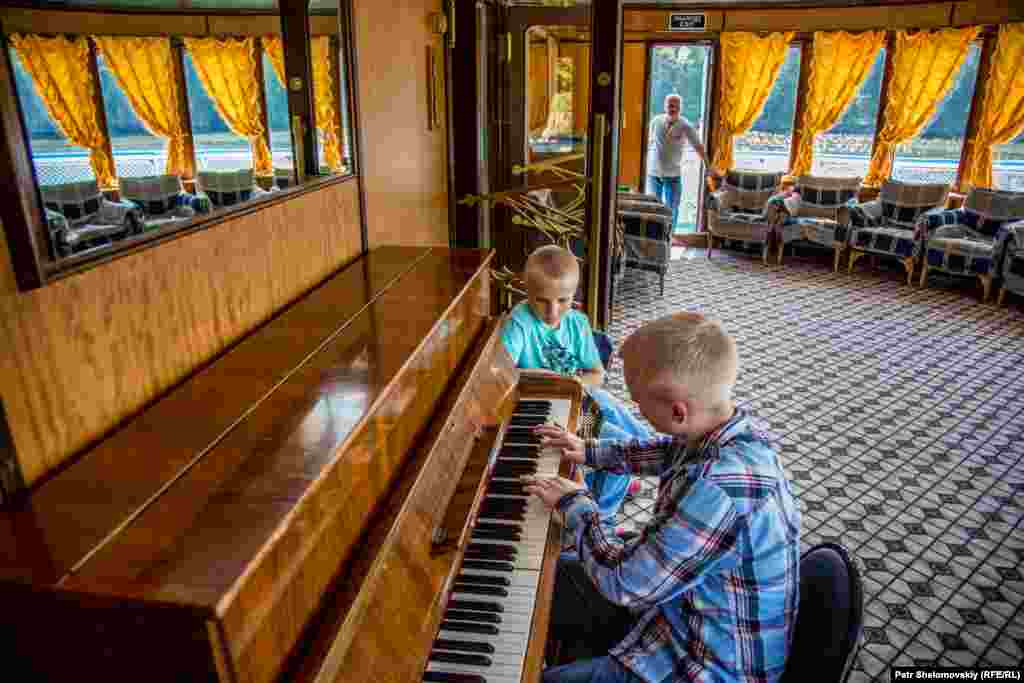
(821, 231)
(903, 203)
(829, 617)
(960, 255)
(749, 191)
(226, 188)
(157, 195)
(823, 197)
(77, 202)
(985, 211)
(889, 241)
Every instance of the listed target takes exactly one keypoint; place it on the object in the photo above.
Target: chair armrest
(867, 214)
(933, 219)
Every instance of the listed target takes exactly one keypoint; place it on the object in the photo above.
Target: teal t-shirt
(565, 349)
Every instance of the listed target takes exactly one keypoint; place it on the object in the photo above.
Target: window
(55, 158)
(845, 149)
(217, 148)
(1008, 165)
(934, 155)
(137, 152)
(766, 145)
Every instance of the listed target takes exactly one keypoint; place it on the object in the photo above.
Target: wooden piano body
(274, 517)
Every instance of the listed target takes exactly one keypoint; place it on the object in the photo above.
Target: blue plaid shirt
(713, 579)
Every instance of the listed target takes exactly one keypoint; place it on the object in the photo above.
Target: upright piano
(336, 497)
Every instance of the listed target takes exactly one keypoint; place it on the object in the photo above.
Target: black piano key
(478, 605)
(497, 525)
(499, 501)
(459, 658)
(483, 580)
(521, 435)
(504, 513)
(466, 627)
(527, 420)
(506, 488)
(477, 589)
(448, 677)
(533, 403)
(497, 548)
(494, 535)
(518, 458)
(477, 617)
(488, 566)
(513, 470)
(463, 645)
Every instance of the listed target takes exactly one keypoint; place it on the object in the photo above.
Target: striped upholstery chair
(161, 199)
(227, 188)
(963, 241)
(886, 226)
(1009, 259)
(647, 233)
(817, 212)
(78, 216)
(739, 209)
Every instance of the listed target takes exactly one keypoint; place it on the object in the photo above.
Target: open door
(555, 139)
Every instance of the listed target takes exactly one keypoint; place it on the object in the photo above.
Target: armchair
(963, 241)
(227, 188)
(885, 226)
(647, 233)
(739, 209)
(79, 216)
(816, 212)
(1010, 259)
(161, 200)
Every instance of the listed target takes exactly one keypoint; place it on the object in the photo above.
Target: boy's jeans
(618, 425)
(668, 190)
(597, 670)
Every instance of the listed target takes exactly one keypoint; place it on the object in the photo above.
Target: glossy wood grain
(633, 121)
(932, 15)
(82, 354)
(404, 165)
(656, 21)
(252, 533)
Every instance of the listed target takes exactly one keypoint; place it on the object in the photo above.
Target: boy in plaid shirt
(709, 590)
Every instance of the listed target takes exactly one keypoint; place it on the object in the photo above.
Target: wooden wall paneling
(581, 56)
(102, 23)
(631, 151)
(8, 283)
(404, 165)
(987, 12)
(891, 17)
(988, 48)
(87, 351)
(26, 245)
(244, 26)
(323, 24)
(656, 21)
(538, 88)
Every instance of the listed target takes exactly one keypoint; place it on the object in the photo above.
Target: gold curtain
(64, 80)
(144, 68)
(227, 69)
(840, 62)
(1002, 111)
(924, 67)
(325, 92)
(750, 64)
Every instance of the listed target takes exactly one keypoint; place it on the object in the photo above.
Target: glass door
(682, 69)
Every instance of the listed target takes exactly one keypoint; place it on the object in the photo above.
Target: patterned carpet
(899, 414)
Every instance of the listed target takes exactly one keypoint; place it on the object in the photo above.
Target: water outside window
(933, 156)
(845, 149)
(55, 158)
(683, 70)
(765, 147)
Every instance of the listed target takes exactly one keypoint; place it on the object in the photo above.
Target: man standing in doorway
(669, 131)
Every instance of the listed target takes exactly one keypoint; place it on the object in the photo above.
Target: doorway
(684, 69)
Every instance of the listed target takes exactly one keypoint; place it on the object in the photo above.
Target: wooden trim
(298, 64)
(347, 33)
(711, 148)
(988, 48)
(803, 83)
(261, 87)
(447, 52)
(648, 59)
(883, 94)
(101, 111)
(465, 75)
(710, 83)
(12, 479)
(178, 48)
(20, 204)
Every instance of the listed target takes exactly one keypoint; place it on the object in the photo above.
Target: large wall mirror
(141, 118)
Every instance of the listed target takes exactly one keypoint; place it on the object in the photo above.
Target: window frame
(33, 258)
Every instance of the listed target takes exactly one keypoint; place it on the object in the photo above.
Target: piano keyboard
(486, 628)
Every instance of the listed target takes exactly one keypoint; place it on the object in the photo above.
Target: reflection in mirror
(557, 91)
(330, 87)
(130, 135)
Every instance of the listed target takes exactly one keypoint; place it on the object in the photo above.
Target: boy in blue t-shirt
(546, 333)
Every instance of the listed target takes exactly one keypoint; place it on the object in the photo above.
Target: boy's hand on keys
(550, 490)
(556, 436)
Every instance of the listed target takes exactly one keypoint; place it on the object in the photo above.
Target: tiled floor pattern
(899, 414)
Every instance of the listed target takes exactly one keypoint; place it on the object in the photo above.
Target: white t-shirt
(665, 149)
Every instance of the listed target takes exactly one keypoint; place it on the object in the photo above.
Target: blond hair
(694, 352)
(551, 262)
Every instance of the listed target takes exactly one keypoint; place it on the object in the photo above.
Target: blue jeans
(668, 190)
(618, 425)
(597, 670)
